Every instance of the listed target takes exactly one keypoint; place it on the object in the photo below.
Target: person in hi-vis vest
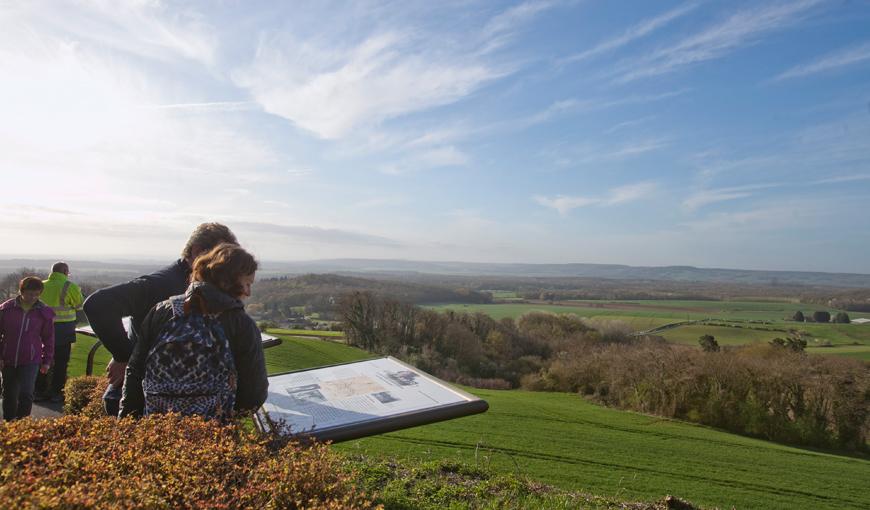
(65, 298)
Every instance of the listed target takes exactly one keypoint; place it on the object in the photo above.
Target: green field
(563, 440)
(849, 351)
(758, 321)
(664, 309)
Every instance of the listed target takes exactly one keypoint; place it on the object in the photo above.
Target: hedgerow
(165, 461)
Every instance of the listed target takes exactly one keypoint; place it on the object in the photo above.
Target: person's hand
(115, 372)
(43, 369)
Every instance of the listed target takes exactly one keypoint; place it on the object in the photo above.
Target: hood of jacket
(216, 300)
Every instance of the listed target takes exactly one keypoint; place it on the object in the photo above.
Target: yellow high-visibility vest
(63, 296)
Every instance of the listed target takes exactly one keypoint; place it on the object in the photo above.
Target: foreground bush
(164, 462)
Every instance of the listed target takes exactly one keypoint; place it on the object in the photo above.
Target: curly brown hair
(223, 267)
(205, 237)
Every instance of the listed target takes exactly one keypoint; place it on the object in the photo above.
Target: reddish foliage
(163, 462)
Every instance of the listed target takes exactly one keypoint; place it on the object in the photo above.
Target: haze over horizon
(702, 133)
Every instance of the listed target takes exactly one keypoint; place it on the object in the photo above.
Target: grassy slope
(563, 440)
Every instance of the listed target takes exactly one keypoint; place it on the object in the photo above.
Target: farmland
(730, 322)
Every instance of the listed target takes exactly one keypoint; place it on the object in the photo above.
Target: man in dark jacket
(107, 307)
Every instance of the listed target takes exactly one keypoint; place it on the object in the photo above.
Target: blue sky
(716, 134)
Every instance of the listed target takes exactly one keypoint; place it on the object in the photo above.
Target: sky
(716, 134)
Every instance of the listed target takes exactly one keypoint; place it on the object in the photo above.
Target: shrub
(771, 391)
(822, 316)
(708, 343)
(164, 461)
(842, 318)
(84, 395)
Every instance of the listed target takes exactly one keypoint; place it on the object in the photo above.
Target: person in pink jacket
(26, 346)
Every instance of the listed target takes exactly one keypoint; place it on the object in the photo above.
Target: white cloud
(616, 196)
(638, 31)
(743, 28)
(334, 92)
(501, 28)
(146, 29)
(575, 106)
(707, 197)
(841, 58)
(586, 153)
(630, 193)
(627, 124)
(565, 204)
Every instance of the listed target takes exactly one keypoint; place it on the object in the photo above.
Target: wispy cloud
(151, 30)
(218, 106)
(704, 197)
(741, 29)
(636, 32)
(586, 153)
(332, 92)
(630, 193)
(617, 196)
(315, 234)
(841, 58)
(575, 106)
(627, 124)
(711, 196)
(503, 27)
(438, 157)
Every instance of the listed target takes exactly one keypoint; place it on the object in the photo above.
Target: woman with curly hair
(200, 353)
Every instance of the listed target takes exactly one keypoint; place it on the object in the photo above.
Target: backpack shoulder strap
(177, 303)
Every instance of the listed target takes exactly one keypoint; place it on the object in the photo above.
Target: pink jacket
(26, 337)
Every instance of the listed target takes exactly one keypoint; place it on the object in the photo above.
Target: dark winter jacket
(106, 307)
(27, 337)
(245, 344)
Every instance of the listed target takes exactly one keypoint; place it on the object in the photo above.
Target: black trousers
(53, 382)
(18, 384)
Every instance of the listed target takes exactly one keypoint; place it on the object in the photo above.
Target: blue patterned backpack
(190, 369)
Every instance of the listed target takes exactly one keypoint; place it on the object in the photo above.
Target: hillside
(560, 439)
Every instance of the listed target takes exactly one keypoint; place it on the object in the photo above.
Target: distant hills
(119, 270)
(604, 271)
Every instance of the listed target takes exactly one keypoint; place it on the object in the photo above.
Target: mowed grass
(79, 355)
(296, 353)
(563, 440)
